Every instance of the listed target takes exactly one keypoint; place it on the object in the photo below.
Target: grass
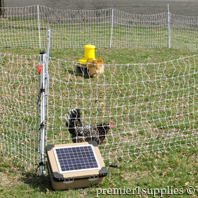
(111, 56)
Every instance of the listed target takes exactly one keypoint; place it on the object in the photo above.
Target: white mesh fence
(18, 108)
(26, 27)
(19, 27)
(152, 106)
(139, 31)
(74, 28)
(184, 32)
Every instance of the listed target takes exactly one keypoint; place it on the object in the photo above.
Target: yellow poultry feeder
(80, 67)
(89, 53)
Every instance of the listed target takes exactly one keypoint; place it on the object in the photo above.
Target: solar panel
(76, 158)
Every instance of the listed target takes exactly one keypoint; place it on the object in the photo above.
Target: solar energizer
(76, 158)
(75, 165)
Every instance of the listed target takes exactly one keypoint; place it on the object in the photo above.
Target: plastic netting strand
(26, 27)
(18, 108)
(152, 106)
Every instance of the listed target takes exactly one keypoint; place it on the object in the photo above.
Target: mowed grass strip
(175, 170)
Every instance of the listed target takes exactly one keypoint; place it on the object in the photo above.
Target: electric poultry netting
(151, 106)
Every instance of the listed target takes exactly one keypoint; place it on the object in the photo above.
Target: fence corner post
(42, 93)
(111, 38)
(169, 30)
(44, 57)
(39, 29)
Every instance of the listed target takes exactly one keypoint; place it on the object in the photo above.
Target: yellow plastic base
(82, 61)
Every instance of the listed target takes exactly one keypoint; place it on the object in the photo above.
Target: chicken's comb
(111, 124)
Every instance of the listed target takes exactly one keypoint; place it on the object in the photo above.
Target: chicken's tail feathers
(73, 114)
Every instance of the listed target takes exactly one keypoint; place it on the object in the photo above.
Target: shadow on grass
(82, 74)
(36, 182)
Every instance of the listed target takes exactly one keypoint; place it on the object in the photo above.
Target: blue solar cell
(76, 158)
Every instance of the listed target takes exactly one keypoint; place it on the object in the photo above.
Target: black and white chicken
(85, 133)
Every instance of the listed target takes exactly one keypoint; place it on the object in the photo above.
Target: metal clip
(93, 178)
(68, 181)
(113, 166)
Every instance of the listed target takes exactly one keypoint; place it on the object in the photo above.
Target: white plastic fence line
(18, 85)
(152, 106)
(26, 26)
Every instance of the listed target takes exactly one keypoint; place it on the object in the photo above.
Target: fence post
(47, 76)
(44, 107)
(111, 28)
(2, 5)
(169, 30)
(38, 20)
(42, 115)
